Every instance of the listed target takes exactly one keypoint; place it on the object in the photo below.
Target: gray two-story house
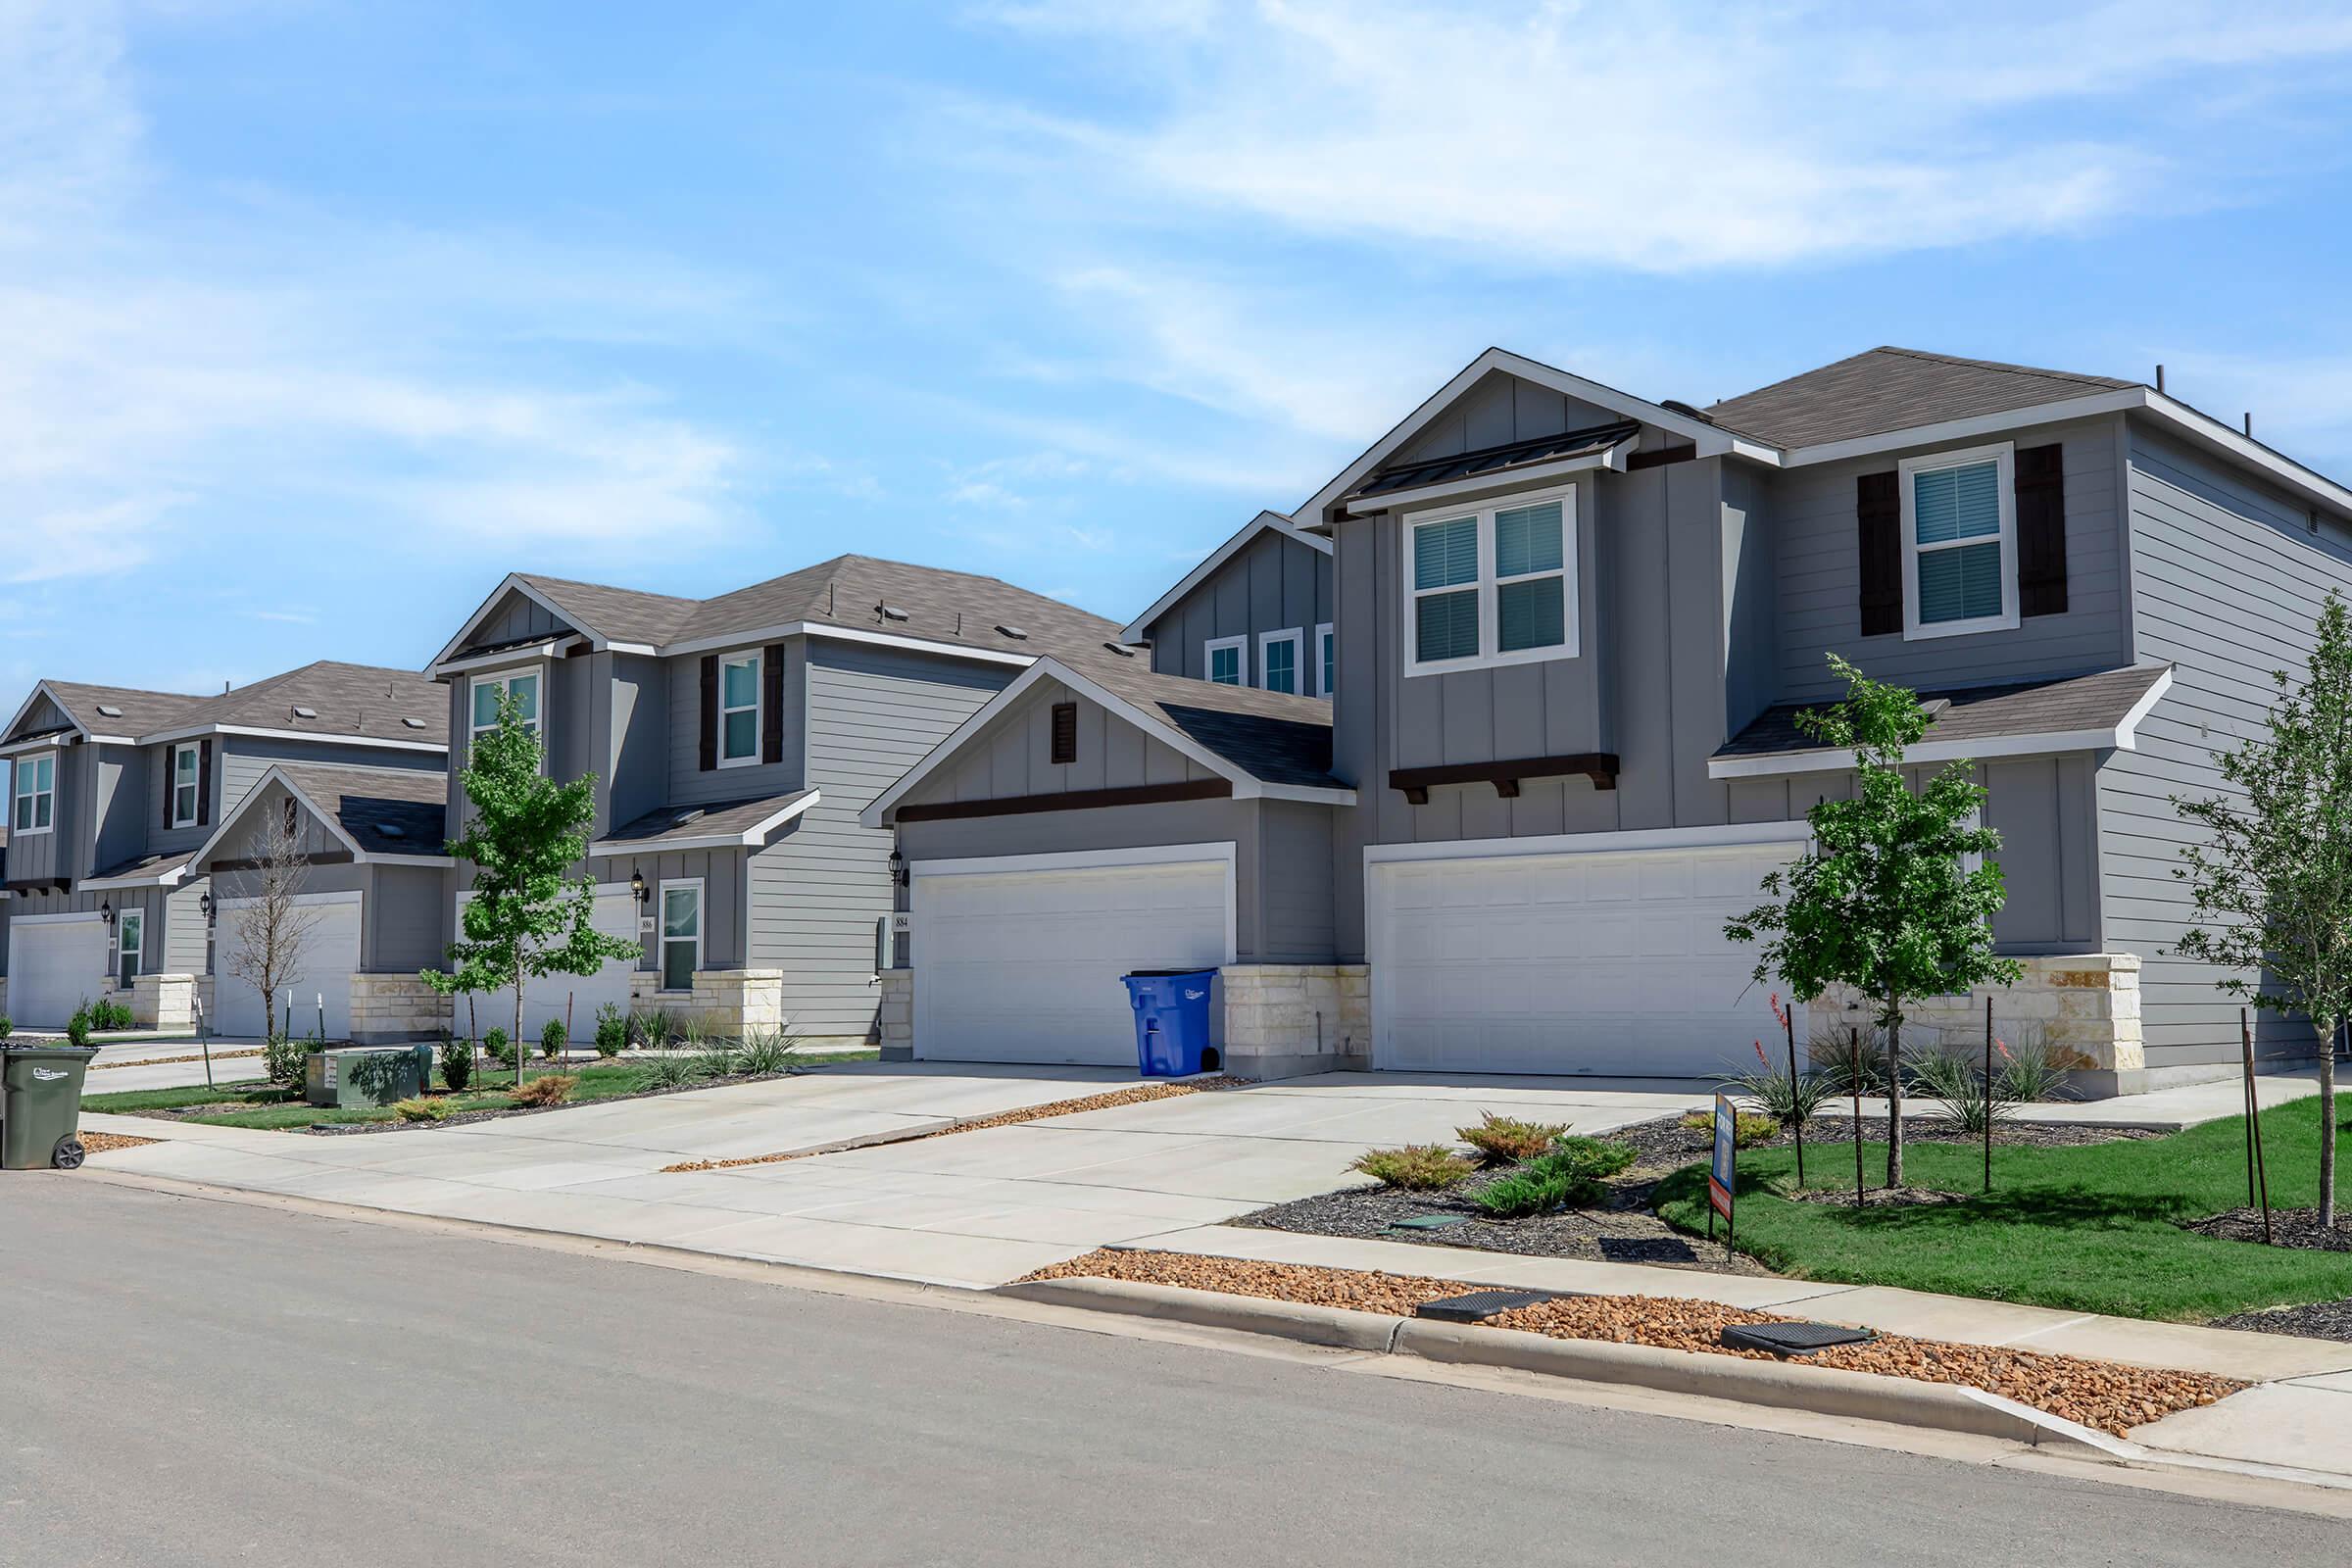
(734, 743)
(1571, 630)
(118, 802)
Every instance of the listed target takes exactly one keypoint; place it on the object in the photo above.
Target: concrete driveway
(976, 1208)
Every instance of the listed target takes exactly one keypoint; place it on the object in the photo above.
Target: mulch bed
(1666, 1143)
(2320, 1320)
(337, 1129)
(2095, 1394)
(1138, 1095)
(174, 1061)
(104, 1142)
(2290, 1227)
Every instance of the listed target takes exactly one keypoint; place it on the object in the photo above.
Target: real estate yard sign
(1720, 1169)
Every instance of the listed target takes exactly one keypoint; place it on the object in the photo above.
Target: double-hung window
(185, 775)
(1491, 585)
(739, 711)
(681, 934)
(522, 685)
(1959, 542)
(1228, 661)
(130, 941)
(1278, 661)
(1326, 660)
(35, 808)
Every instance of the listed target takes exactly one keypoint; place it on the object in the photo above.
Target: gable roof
(344, 703)
(378, 812)
(618, 615)
(1263, 523)
(1886, 389)
(1268, 744)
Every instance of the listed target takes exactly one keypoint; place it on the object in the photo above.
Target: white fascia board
(204, 852)
(1261, 523)
(524, 654)
(41, 689)
(1972, 428)
(752, 636)
(1710, 440)
(749, 838)
(1492, 483)
(147, 879)
(1313, 794)
(2121, 737)
(2216, 436)
(54, 742)
(191, 731)
(512, 582)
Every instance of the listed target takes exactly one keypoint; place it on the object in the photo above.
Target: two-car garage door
(328, 956)
(1601, 962)
(1023, 963)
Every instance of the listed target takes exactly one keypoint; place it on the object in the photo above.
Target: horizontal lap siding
(871, 715)
(1820, 582)
(2228, 581)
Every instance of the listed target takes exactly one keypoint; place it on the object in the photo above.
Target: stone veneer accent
(894, 1016)
(2085, 1005)
(1282, 1020)
(386, 1008)
(728, 1000)
(164, 1001)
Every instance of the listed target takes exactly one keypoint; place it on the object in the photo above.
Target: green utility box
(40, 1106)
(359, 1076)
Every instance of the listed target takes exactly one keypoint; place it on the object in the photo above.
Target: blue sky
(317, 318)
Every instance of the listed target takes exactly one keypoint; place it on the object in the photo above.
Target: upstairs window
(739, 711)
(1227, 659)
(184, 776)
(1491, 585)
(522, 686)
(35, 808)
(1959, 543)
(1326, 660)
(1278, 661)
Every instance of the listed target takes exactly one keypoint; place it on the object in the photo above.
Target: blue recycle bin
(1171, 1021)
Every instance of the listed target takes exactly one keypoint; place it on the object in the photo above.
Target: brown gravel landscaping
(1138, 1095)
(2103, 1394)
(102, 1143)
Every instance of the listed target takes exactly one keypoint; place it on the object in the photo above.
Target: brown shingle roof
(723, 818)
(621, 614)
(386, 811)
(1273, 737)
(1886, 389)
(348, 701)
(2094, 701)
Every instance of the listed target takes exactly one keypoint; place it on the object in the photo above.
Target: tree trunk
(1894, 1091)
(520, 1053)
(2327, 1028)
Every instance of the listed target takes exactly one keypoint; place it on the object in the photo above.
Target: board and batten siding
(2227, 581)
(1820, 579)
(724, 877)
(1272, 583)
(1013, 755)
(869, 715)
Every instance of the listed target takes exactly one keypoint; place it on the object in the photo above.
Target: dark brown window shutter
(204, 783)
(771, 702)
(171, 780)
(1065, 732)
(1878, 530)
(710, 759)
(2042, 530)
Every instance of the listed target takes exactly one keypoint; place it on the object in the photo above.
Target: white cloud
(1663, 139)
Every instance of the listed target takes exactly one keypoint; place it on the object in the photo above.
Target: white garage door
(53, 967)
(1609, 962)
(330, 956)
(546, 996)
(1024, 965)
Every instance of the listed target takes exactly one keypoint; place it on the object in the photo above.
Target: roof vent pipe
(2249, 421)
(2160, 378)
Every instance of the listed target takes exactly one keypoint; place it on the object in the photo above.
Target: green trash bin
(40, 1106)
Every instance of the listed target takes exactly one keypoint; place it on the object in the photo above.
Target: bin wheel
(67, 1154)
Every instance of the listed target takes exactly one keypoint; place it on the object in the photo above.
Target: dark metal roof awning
(1497, 460)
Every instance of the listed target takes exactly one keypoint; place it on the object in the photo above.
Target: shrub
(499, 1048)
(547, 1089)
(77, 1027)
(714, 1057)
(655, 1030)
(420, 1108)
(668, 1070)
(768, 1050)
(1747, 1129)
(1846, 1076)
(2030, 1068)
(1416, 1167)
(1960, 1089)
(1789, 1100)
(1572, 1175)
(7, 1027)
(1503, 1139)
(553, 1038)
(612, 1031)
(457, 1063)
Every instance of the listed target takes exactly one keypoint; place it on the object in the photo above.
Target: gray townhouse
(735, 742)
(121, 805)
(1570, 632)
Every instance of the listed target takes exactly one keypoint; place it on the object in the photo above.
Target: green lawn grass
(2093, 1229)
(257, 1104)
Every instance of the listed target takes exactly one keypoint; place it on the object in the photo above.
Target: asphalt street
(190, 1380)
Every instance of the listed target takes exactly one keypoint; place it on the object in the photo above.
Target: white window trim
(2004, 455)
(123, 921)
(16, 792)
(1325, 641)
(1298, 641)
(1486, 584)
(1208, 658)
(662, 936)
(195, 784)
(504, 679)
(757, 658)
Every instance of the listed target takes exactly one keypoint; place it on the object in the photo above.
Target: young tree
(526, 918)
(2273, 882)
(1886, 904)
(273, 929)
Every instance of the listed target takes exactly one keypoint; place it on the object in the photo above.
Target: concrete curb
(1780, 1384)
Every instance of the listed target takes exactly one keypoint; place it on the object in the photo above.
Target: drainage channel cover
(1429, 1222)
(1790, 1339)
(1479, 1305)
